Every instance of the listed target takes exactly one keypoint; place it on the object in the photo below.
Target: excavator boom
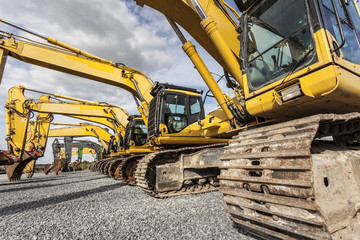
(68, 62)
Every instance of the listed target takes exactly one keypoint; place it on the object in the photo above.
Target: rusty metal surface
(162, 173)
(113, 167)
(101, 165)
(105, 168)
(15, 170)
(126, 169)
(270, 179)
(76, 166)
(47, 168)
(58, 164)
(6, 158)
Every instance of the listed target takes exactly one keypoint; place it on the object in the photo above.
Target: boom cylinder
(190, 50)
(141, 111)
(76, 50)
(209, 25)
(68, 124)
(194, 56)
(57, 42)
(76, 99)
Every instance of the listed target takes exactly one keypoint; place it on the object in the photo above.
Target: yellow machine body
(275, 174)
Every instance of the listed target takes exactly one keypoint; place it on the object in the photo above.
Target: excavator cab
(136, 132)
(311, 56)
(173, 108)
(289, 44)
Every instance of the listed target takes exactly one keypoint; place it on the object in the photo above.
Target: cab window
(351, 48)
(194, 105)
(175, 112)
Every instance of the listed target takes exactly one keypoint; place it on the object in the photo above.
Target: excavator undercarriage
(180, 171)
(281, 182)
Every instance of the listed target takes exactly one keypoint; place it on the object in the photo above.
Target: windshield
(278, 40)
(140, 134)
(175, 113)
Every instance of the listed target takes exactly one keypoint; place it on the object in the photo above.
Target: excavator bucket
(55, 167)
(58, 164)
(48, 168)
(76, 166)
(14, 171)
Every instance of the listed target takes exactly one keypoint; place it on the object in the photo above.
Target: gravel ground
(87, 205)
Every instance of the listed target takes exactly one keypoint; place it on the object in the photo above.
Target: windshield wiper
(298, 64)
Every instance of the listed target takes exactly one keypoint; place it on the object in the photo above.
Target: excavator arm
(27, 139)
(37, 138)
(19, 107)
(25, 145)
(70, 143)
(183, 13)
(65, 58)
(62, 152)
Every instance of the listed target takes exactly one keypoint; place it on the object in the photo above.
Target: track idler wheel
(113, 167)
(128, 172)
(106, 168)
(92, 167)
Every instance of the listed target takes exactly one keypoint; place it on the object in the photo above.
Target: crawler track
(112, 169)
(280, 184)
(126, 169)
(147, 177)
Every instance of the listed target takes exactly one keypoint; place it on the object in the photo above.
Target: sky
(116, 30)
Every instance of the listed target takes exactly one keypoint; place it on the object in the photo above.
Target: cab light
(290, 93)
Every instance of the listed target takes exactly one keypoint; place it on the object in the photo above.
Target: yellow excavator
(291, 170)
(173, 115)
(294, 67)
(74, 130)
(63, 152)
(19, 109)
(104, 138)
(80, 151)
(32, 143)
